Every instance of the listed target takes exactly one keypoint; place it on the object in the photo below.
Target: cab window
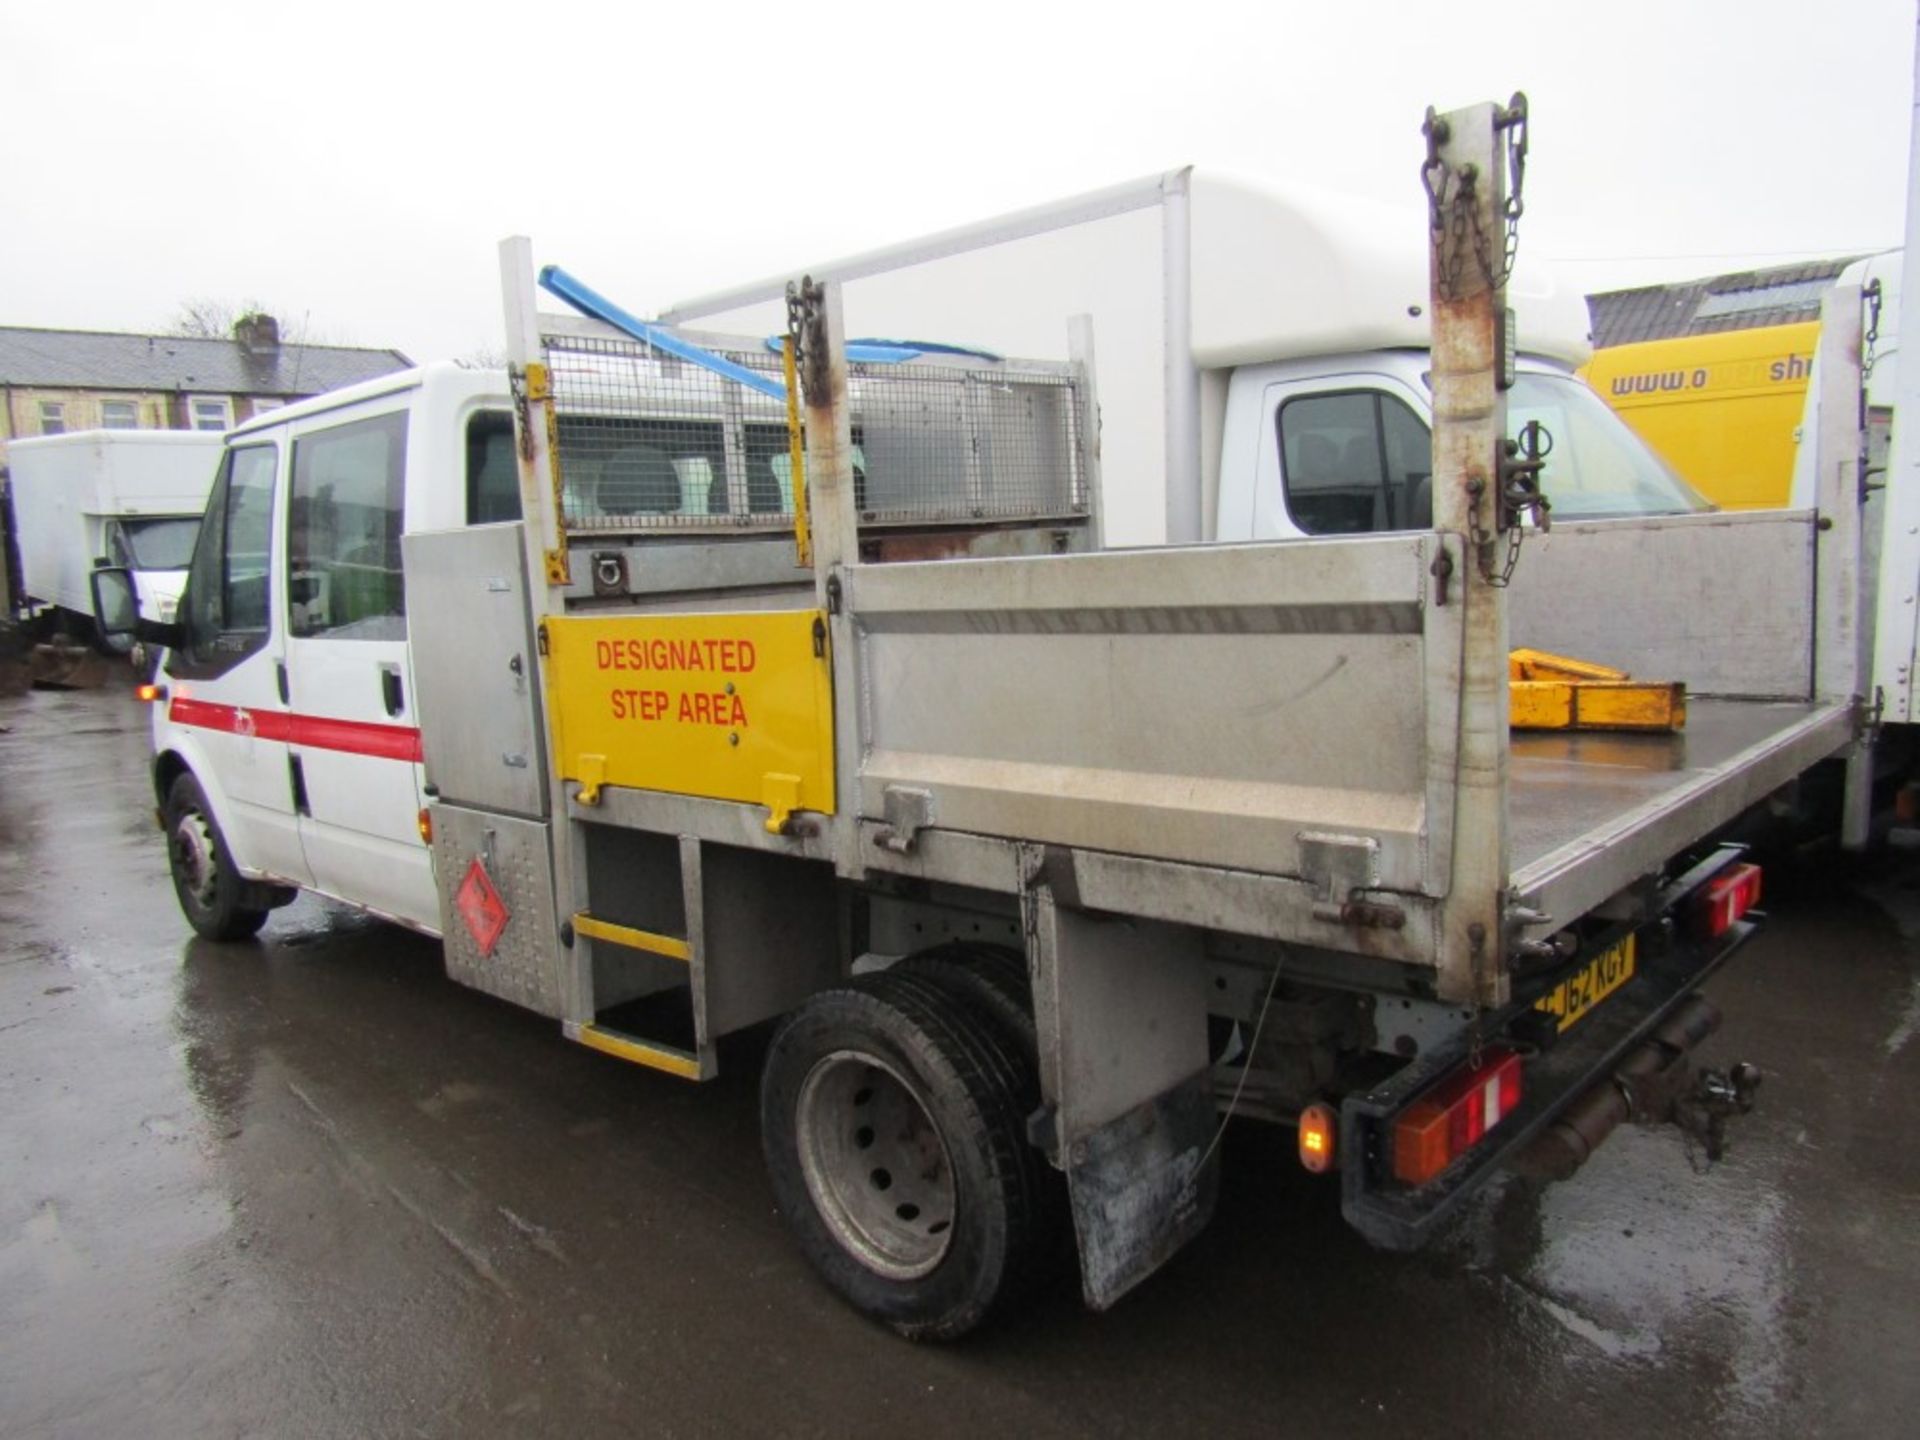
(493, 469)
(1354, 462)
(641, 470)
(345, 514)
(228, 587)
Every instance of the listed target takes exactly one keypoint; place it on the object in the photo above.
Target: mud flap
(1120, 1011)
(1143, 1186)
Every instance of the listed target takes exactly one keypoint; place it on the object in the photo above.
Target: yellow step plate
(683, 1063)
(670, 946)
(724, 706)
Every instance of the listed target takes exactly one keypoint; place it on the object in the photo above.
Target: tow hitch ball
(1716, 1097)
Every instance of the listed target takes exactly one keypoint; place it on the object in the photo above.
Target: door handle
(390, 691)
(280, 678)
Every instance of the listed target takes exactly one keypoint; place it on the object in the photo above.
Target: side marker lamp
(1319, 1124)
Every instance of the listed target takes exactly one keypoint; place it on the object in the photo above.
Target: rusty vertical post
(1466, 182)
(833, 519)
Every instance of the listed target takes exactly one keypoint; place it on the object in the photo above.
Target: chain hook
(1871, 296)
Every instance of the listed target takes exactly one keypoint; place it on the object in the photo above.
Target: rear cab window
(493, 468)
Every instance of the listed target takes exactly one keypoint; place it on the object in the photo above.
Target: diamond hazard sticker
(481, 908)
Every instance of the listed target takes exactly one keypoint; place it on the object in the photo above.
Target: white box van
(120, 497)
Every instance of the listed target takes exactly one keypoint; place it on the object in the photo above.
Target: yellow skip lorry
(708, 684)
(1723, 410)
(1728, 411)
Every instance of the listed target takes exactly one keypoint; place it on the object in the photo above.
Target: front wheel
(891, 1118)
(213, 894)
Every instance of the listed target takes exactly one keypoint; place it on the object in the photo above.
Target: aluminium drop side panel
(471, 644)
(1592, 813)
(1212, 706)
(1842, 652)
(1897, 632)
(1723, 601)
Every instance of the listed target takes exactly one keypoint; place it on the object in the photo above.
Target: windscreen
(1597, 467)
(162, 544)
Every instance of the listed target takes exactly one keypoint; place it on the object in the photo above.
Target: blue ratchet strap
(589, 301)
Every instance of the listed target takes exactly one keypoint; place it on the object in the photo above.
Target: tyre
(893, 1123)
(213, 895)
(992, 981)
(995, 989)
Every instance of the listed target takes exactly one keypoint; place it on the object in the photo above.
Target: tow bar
(1657, 1083)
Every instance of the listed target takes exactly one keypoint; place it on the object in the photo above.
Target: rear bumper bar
(1398, 1217)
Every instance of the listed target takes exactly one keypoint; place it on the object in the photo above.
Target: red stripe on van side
(317, 732)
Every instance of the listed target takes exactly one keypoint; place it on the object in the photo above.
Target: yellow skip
(1558, 692)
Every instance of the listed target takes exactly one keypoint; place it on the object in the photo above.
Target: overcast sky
(354, 164)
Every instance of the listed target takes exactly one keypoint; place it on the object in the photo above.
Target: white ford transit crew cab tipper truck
(683, 685)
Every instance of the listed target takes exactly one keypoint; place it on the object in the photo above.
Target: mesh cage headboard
(653, 443)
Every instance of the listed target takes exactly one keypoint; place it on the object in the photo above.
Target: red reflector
(1454, 1116)
(1724, 899)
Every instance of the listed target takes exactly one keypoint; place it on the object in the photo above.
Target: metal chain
(1483, 542)
(1499, 579)
(1514, 121)
(1451, 197)
(1442, 207)
(1871, 295)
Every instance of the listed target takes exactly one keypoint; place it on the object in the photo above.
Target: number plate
(1575, 996)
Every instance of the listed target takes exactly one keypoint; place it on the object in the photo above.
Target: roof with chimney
(254, 365)
(1741, 300)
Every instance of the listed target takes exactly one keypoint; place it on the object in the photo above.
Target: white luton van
(129, 498)
(684, 686)
(1263, 369)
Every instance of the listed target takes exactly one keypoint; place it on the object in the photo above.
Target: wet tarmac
(308, 1187)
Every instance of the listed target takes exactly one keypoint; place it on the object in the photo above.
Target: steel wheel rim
(875, 1165)
(194, 856)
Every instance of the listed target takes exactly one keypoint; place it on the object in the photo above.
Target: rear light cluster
(1454, 1116)
(1724, 899)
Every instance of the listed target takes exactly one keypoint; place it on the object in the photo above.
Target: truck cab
(292, 713)
(1342, 445)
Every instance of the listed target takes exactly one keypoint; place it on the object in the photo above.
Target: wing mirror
(116, 610)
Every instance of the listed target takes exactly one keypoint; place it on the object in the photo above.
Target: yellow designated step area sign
(723, 706)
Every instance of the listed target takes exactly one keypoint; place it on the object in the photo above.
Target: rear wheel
(994, 979)
(213, 894)
(892, 1118)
